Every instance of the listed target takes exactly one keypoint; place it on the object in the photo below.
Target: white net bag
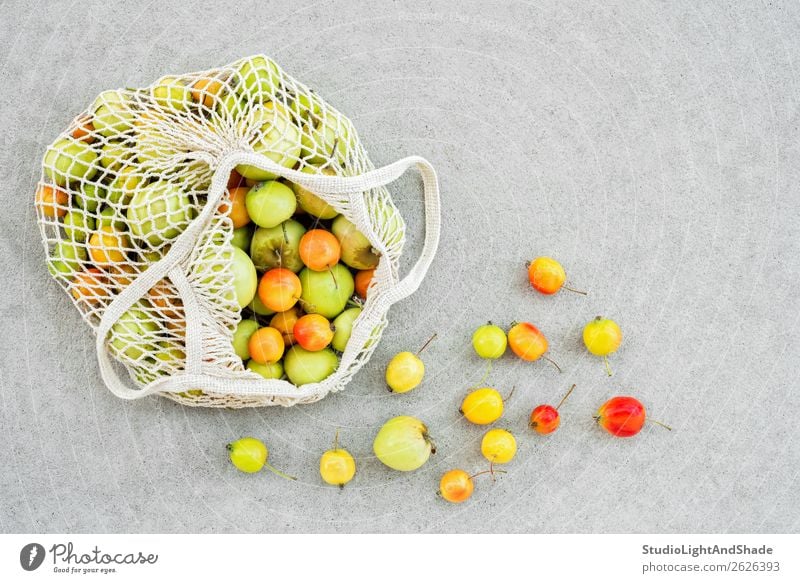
(137, 216)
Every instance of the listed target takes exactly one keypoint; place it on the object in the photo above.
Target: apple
(170, 93)
(241, 336)
(310, 202)
(326, 292)
(217, 262)
(304, 367)
(112, 218)
(278, 246)
(68, 160)
(268, 371)
(89, 196)
(270, 203)
(130, 332)
(306, 107)
(230, 106)
(169, 358)
(155, 255)
(159, 212)
(343, 328)
(259, 77)
(330, 138)
(241, 237)
(115, 154)
(258, 307)
(67, 257)
(278, 139)
(403, 443)
(77, 225)
(111, 114)
(121, 189)
(392, 224)
(356, 249)
(245, 278)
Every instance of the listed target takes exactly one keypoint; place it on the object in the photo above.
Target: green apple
(242, 236)
(111, 114)
(230, 106)
(130, 332)
(159, 212)
(304, 367)
(330, 138)
(116, 154)
(89, 196)
(392, 226)
(356, 249)
(403, 443)
(268, 371)
(343, 328)
(259, 77)
(169, 358)
(278, 140)
(111, 217)
(258, 307)
(77, 225)
(270, 203)
(67, 258)
(153, 256)
(245, 278)
(170, 93)
(122, 188)
(241, 336)
(310, 202)
(326, 292)
(306, 107)
(69, 160)
(278, 246)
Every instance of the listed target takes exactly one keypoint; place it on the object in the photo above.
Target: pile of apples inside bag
(281, 274)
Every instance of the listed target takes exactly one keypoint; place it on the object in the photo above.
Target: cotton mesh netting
(134, 210)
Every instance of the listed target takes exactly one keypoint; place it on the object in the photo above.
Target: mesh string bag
(134, 209)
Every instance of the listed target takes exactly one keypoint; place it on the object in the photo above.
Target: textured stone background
(651, 146)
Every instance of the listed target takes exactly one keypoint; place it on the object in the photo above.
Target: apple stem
(333, 275)
(277, 472)
(333, 149)
(424, 346)
(428, 439)
(664, 425)
(485, 374)
(576, 291)
(564, 398)
(285, 235)
(553, 362)
(488, 472)
(336, 440)
(510, 394)
(608, 366)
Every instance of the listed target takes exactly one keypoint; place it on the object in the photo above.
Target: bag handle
(182, 246)
(356, 185)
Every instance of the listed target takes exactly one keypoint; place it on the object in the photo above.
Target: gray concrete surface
(652, 147)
